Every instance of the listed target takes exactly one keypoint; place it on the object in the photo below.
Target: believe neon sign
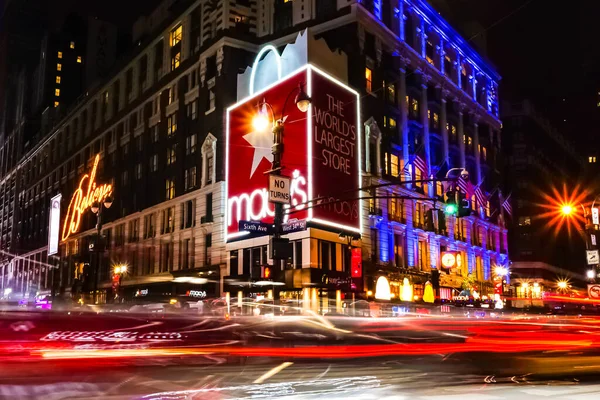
(322, 154)
(81, 201)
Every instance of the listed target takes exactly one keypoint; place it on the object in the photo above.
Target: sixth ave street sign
(279, 189)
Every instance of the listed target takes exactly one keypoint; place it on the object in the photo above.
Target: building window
(211, 101)
(134, 230)
(172, 154)
(168, 221)
(125, 178)
(483, 153)
(58, 79)
(171, 124)
(79, 59)
(170, 189)
(154, 134)
(72, 45)
(60, 54)
(394, 164)
(391, 93)
(176, 35)
(192, 110)
(207, 249)
(190, 144)
(154, 163)
(368, 79)
(59, 67)
(138, 171)
(188, 211)
(209, 167)
(57, 92)
(190, 178)
(524, 221)
(172, 94)
(56, 104)
(175, 61)
(149, 226)
(592, 159)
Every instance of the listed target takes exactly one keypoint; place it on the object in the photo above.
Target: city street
(431, 378)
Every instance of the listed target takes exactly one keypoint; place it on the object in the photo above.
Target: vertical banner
(54, 224)
(336, 153)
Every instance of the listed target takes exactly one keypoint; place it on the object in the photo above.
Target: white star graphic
(262, 143)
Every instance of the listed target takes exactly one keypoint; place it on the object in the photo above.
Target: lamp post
(261, 123)
(97, 209)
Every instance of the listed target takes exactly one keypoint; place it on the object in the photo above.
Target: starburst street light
(567, 209)
(562, 208)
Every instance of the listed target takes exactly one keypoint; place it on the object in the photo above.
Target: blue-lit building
(429, 96)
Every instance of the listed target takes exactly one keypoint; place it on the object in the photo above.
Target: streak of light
(273, 371)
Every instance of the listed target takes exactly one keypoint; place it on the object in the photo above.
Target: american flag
(422, 165)
(465, 186)
(480, 196)
(506, 205)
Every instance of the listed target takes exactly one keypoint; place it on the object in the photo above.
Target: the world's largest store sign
(321, 156)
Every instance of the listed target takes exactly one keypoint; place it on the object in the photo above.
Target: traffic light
(266, 273)
(428, 220)
(451, 207)
(464, 206)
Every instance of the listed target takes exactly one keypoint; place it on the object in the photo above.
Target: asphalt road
(428, 378)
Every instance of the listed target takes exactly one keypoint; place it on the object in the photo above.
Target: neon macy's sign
(80, 202)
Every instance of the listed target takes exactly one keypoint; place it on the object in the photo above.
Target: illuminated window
(592, 159)
(79, 59)
(414, 105)
(418, 176)
(524, 221)
(369, 79)
(170, 189)
(58, 79)
(175, 61)
(56, 104)
(394, 165)
(439, 188)
(60, 54)
(392, 122)
(72, 45)
(487, 209)
(172, 154)
(57, 92)
(59, 67)
(171, 124)
(483, 153)
(473, 204)
(176, 34)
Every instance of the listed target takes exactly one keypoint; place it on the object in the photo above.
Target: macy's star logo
(262, 141)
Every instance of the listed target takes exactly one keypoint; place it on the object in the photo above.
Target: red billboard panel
(321, 153)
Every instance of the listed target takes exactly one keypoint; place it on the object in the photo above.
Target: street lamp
(591, 274)
(97, 209)
(261, 122)
(120, 270)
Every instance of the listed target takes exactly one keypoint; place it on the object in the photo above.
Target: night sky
(546, 51)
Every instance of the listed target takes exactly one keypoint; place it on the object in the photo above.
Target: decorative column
(444, 128)
(404, 114)
(461, 136)
(425, 121)
(476, 149)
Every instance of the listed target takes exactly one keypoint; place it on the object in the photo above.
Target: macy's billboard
(321, 154)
